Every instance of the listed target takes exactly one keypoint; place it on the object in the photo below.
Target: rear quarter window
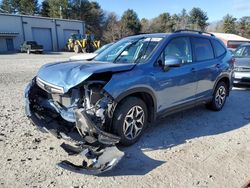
(218, 48)
(203, 49)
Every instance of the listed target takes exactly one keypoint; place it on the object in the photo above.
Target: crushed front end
(82, 116)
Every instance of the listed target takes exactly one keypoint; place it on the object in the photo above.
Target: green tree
(229, 24)
(58, 8)
(91, 13)
(244, 26)
(28, 7)
(130, 22)
(6, 6)
(198, 19)
(176, 21)
(146, 26)
(45, 10)
(162, 23)
(184, 19)
(9, 6)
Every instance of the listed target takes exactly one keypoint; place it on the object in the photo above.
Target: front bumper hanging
(95, 146)
(100, 153)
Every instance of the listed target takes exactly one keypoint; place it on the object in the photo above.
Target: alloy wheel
(133, 122)
(220, 96)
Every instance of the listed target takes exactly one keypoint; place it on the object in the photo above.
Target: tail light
(232, 61)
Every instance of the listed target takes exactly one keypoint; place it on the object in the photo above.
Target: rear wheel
(219, 97)
(130, 120)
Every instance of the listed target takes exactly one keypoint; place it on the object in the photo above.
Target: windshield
(129, 50)
(242, 51)
(31, 43)
(104, 47)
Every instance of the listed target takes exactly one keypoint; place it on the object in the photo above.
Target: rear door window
(203, 49)
(218, 48)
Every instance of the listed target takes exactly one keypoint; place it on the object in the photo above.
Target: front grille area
(242, 69)
(49, 87)
(64, 100)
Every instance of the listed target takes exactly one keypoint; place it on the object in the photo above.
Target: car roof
(163, 35)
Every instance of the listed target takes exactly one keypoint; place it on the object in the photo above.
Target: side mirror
(171, 61)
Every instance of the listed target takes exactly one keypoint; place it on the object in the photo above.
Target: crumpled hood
(242, 62)
(69, 74)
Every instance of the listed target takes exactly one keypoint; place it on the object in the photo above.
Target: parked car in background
(134, 82)
(31, 46)
(90, 56)
(242, 65)
(231, 50)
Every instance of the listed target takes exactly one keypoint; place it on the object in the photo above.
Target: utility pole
(61, 12)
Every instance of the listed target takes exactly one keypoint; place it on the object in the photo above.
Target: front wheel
(219, 97)
(77, 49)
(130, 119)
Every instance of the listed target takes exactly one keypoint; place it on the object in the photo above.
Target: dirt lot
(195, 148)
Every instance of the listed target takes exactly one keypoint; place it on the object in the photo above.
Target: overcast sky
(215, 9)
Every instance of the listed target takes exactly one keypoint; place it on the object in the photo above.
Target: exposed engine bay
(82, 116)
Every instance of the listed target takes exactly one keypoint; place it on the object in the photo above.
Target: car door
(207, 66)
(177, 85)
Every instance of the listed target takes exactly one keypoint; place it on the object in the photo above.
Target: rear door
(207, 66)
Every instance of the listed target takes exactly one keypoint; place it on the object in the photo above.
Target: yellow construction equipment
(78, 43)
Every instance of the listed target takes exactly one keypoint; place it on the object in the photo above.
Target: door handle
(217, 65)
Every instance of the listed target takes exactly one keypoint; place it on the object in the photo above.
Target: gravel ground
(194, 148)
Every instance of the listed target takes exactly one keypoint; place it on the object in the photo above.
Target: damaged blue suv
(138, 79)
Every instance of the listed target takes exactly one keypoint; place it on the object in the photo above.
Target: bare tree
(113, 28)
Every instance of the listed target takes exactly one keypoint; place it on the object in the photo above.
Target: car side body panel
(177, 88)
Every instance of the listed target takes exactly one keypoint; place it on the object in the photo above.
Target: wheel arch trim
(145, 90)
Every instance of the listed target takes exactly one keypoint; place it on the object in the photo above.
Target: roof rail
(194, 31)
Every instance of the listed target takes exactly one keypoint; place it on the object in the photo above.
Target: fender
(223, 75)
(139, 90)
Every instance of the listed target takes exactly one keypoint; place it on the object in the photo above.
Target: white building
(52, 33)
(231, 40)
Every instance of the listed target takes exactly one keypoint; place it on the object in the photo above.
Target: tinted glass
(219, 48)
(104, 47)
(111, 53)
(179, 48)
(31, 43)
(129, 51)
(138, 51)
(242, 51)
(203, 49)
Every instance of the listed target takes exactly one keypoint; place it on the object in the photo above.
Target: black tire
(84, 50)
(126, 106)
(69, 48)
(217, 102)
(77, 49)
